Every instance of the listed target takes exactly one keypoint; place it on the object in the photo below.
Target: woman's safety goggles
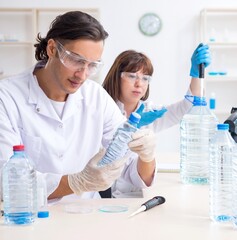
(133, 77)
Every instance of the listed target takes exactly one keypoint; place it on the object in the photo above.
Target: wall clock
(150, 24)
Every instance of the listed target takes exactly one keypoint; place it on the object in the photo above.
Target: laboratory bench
(184, 215)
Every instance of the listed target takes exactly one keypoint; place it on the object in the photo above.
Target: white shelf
(14, 43)
(18, 30)
(219, 11)
(221, 79)
(218, 29)
(222, 45)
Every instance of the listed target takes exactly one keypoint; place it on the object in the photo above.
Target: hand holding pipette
(200, 55)
(201, 59)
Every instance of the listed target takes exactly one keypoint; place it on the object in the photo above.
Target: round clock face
(150, 24)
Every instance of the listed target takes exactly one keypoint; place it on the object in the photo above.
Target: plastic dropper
(201, 77)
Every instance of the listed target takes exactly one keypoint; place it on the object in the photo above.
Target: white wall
(170, 50)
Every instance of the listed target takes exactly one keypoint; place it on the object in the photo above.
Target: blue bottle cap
(199, 101)
(43, 214)
(134, 117)
(223, 126)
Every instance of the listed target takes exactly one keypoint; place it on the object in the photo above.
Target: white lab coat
(175, 112)
(58, 146)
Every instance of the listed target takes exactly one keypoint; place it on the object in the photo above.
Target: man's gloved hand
(150, 116)
(94, 177)
(200, 55)
(144, 144)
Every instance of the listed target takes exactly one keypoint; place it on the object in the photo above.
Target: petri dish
(113, 208)
(77, 208)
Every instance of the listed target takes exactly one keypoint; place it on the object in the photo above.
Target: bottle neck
(132, 123)
(19, 153)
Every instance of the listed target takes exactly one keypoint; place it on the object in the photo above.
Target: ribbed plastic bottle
(197, 128)
(234, 189)
(119, 145)
(19, 189)
(223, 152)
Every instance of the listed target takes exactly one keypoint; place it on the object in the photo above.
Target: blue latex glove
(200, 55)
(150, 116)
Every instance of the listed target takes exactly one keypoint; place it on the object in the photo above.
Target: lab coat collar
(121, 107)
(72, 104)
(43, 105)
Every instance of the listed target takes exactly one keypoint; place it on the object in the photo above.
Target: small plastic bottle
(19, 189)
(197, 127)
(119, 145)
(212, 105)
(212, 37)
(42, 197)
(212, 102)
(223, 152)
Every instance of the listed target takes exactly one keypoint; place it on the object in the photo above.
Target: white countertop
(184, 215)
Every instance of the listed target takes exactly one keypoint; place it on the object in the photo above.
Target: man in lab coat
(63, 119)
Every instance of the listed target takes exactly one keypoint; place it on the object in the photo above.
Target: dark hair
(70, 26)
(127, 61)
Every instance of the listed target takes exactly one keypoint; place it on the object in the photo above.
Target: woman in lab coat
(127, 82)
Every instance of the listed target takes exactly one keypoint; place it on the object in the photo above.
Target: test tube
(42, 197)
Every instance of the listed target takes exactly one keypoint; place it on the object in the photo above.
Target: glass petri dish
(77, 208)
(113, 208)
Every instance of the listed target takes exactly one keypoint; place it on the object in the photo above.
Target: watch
(150, 24)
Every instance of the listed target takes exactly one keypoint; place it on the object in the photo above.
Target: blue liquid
(223, 218)
(20, 218)
(198, 181)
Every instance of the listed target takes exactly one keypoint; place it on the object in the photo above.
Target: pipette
(201, 77)
(155, 201)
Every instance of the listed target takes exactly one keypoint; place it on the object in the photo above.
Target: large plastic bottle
(196, 130)
(234, 190)
(223, 152)
(119, 145)
(19, 189)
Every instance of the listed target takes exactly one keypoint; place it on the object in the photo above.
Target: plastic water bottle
(234, 191)
(223, 152)
(19, 189)
(196, 130)
(119, 145)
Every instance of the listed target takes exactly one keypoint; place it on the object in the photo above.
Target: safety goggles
(76, 62)
(132, 77)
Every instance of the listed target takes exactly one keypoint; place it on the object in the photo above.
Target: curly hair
(70, 26)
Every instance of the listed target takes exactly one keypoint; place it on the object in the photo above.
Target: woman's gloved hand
(150, 116)
(94, 177)
(144, 144)
(200, 55)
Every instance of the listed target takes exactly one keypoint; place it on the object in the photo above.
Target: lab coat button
(60, 126)
(38, 109)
